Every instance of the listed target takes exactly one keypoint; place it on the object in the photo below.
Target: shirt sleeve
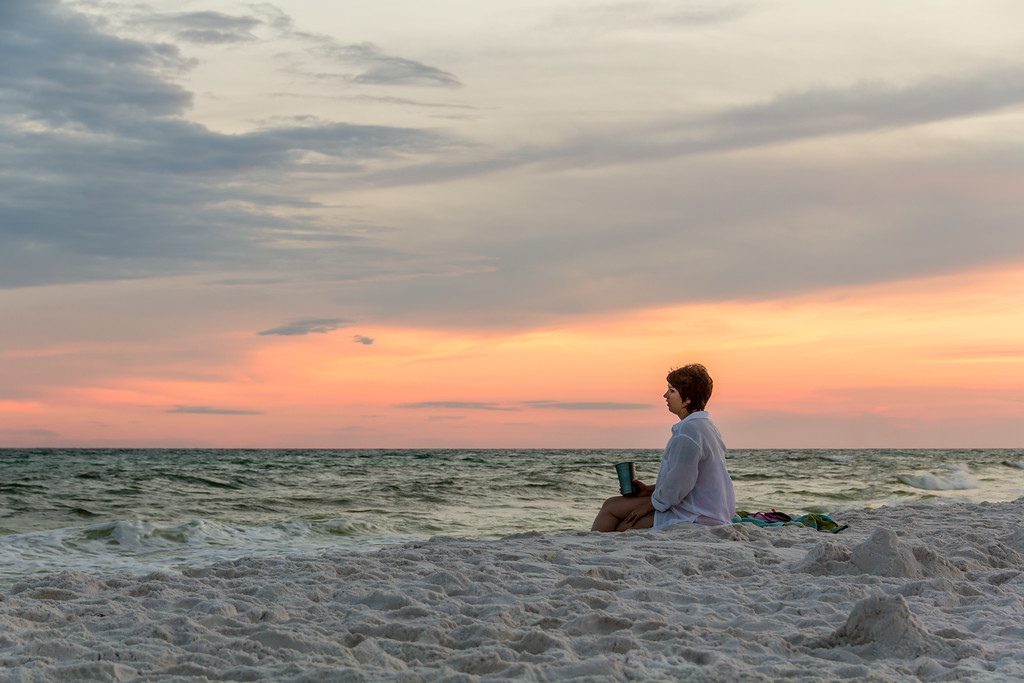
(679, 474)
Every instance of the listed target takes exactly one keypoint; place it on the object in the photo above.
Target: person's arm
(680, 473)
(642, 488)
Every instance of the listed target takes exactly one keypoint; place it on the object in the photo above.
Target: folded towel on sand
(775, 518)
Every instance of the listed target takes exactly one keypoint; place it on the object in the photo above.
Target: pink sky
(929, 362)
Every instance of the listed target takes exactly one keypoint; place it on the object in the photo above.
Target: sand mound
(883, 627)
(882, 554)
(886, 625)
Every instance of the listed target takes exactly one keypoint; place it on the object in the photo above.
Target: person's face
(675, 402)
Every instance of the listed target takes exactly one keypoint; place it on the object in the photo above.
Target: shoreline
(924, 591)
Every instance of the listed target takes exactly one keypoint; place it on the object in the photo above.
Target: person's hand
(638, 512)
(636, 490)
(644, 489)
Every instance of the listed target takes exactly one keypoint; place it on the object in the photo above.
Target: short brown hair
(692, 382)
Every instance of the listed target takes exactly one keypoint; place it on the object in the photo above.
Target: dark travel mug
(627, 473)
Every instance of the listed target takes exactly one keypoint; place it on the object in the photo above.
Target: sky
(395, 224)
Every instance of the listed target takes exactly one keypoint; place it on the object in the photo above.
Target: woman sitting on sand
(693, 484)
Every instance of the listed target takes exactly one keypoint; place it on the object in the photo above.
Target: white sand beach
(914, 592)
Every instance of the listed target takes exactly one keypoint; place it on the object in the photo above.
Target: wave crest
(953, 478)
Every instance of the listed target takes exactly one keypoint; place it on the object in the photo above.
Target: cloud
(207, 27)
(61, 71)
(106, 180)
(586, 405)
(360, 339)
(543, 405)
(378, 67)
(207, 410)
(27, 433)
(382, 69)
(309, 326)
(457, 405)
(618, 16)
(715, 206)
(795, 116)
(864, 106)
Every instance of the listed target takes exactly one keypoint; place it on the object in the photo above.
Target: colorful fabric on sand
(775, 518)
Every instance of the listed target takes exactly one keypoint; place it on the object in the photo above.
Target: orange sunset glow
(894, 364)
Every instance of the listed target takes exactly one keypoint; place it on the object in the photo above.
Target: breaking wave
(951, 478)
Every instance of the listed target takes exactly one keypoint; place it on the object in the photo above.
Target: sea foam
(952, 478)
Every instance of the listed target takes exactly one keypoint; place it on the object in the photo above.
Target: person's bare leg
(616, 509)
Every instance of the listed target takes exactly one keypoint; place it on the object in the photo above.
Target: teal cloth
(819, 522)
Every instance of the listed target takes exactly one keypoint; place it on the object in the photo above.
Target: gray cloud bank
(818, 112)
(457, 405)
(105, 179)
(587, 405)
(376, 67)
(708, 207)
(614, 16)
(308, 326)
(207, 27)
(383, 69)
(208, 410)
(546, 405)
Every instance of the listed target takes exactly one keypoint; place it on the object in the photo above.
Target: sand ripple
(916, 592)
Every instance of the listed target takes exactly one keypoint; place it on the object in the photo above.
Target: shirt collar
(695, 415)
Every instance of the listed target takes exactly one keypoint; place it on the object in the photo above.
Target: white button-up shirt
(693, 484)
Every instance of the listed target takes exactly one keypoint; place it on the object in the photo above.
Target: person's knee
(609, 502)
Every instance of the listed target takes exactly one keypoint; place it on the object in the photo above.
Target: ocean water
(111, 510)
